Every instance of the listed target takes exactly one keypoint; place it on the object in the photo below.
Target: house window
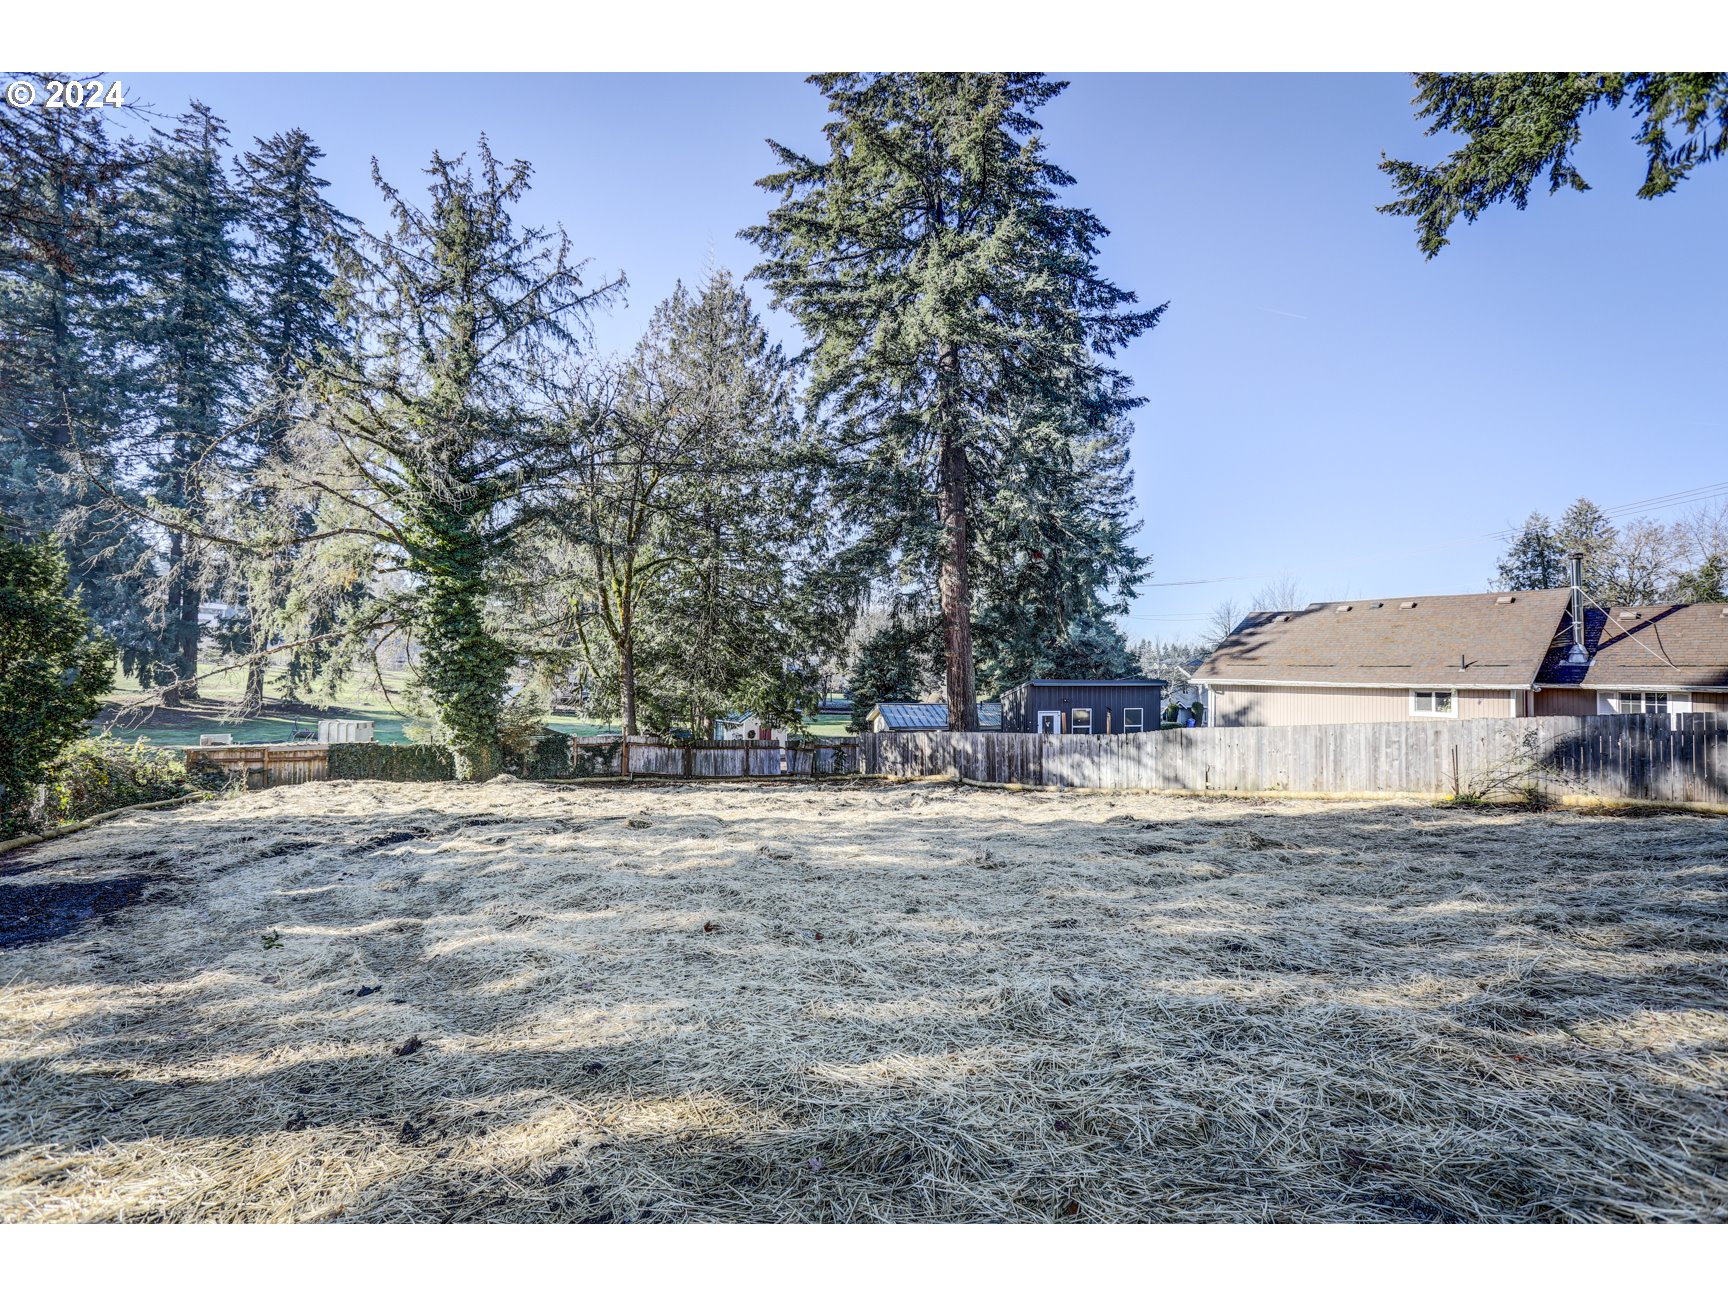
(1133, 719)
(1432, 702)
(1643, 704)
(1080, 720)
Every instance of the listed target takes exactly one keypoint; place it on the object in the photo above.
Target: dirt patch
(863, 1003)
(44, 911)
(48, 896)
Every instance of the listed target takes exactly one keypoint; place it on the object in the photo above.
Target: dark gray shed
(1083, 706)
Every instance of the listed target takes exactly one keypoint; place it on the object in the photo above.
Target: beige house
(1467, 656)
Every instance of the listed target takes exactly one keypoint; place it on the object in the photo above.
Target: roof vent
(1506, 598)
(1408, 603)
(1376, 605)
(1346, 607)
(1282, 616)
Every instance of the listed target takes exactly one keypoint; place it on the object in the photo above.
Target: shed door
(1049, 722)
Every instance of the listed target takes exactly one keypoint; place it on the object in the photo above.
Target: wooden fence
(266, 764)
(1675, 758)
(729, 759)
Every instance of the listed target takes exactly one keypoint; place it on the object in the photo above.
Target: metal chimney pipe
(1576, 655)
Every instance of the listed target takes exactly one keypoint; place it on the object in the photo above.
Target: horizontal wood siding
(1247, 705)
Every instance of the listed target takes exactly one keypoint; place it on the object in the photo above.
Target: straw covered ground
(514, 1001)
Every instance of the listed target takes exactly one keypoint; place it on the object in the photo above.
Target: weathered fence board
(1677, 758)
(643, 756)
(1680, 758)
(265, 765)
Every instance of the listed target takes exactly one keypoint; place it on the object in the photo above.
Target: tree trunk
(253, 702)
(186, 663)
(627, 677)
(182, 593)
(954, 581)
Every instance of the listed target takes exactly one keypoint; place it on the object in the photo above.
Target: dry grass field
(529, 1002)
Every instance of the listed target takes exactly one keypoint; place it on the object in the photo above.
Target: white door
(1049, 722)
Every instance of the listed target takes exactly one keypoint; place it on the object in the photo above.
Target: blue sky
(1321, 402)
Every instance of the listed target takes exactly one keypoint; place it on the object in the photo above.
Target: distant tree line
(216, 387)
(1642, 561)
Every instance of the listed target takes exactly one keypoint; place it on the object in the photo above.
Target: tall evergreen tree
(426, 445)
(695, 575)
(1705, 583)
(1584, 528)
(948, 297)
(295, 237)
(1091, 647)
(1535, 559)
(66, 390)
(192, 331)
(892, 665)
(1055, 560)
(1520, 127)
(742, 614)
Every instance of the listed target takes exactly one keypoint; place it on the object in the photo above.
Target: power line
(1672, 499)
(1692, 495)
(1210, 580)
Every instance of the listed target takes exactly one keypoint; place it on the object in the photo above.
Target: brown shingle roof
(1652, 649)
(1457, 640)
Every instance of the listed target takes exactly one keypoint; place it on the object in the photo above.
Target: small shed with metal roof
(925, 717)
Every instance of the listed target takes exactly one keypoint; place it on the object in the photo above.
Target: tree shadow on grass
(1018, 1008)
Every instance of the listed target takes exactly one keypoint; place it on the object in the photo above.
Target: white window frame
(1608, 701)
(1134, 726)
(1042, 714)
(1074, 722)
(1430, 693)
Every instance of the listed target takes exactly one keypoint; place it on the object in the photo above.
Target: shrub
(392, 762)
(1514, 777)
(593, 759)
(54, 667)
(98, 774)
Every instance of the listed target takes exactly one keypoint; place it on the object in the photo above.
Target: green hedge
(391, 762)
(548, 757)
(592, 759)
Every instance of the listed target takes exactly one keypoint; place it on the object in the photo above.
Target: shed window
(1080, 720)
(1133, 719)
(1432, 702)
